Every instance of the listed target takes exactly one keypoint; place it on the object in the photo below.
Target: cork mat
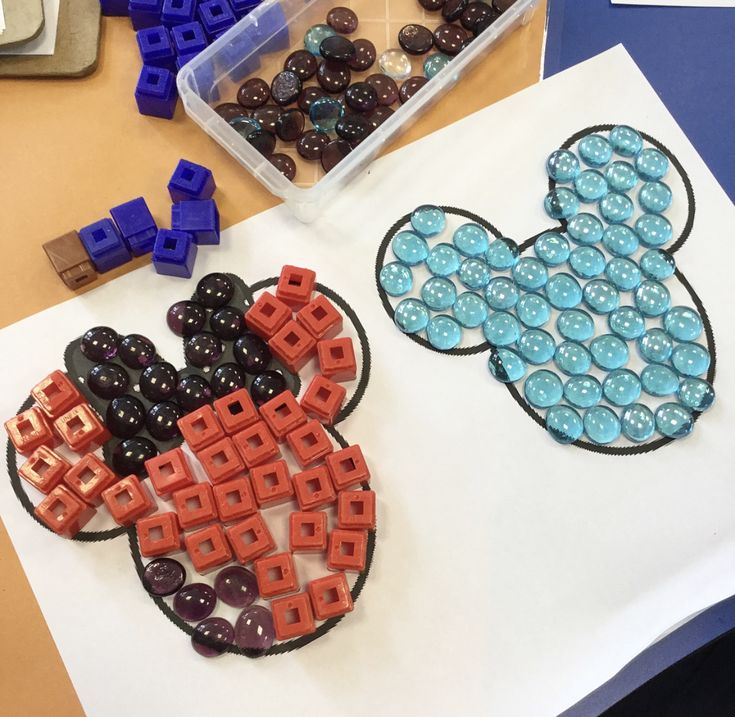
(23, 21)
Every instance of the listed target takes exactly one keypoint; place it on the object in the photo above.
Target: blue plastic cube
(174, 253)
(104, 245)
(216, 16)
(114, 8)
(178, 12)
(200, 218)
(156, 47)
(145, 13)
(272, 26)
(189, 38)
(136, 225)
(243, 7)
(233, 58)
(191, 181)
(156, 92)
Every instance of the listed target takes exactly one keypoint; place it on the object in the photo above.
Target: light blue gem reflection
(616, 208)
(652, 298)
(690, 359)
(411, 316)
(655, 346)
(572, 358)
(587, 262)
(529, 273)
(543, 389)
(638, 423)
(583, 391)
(657, 264)
(653, 230)
(505, 365)
(396, 279)
(474, 274)
(654, 197)
(595, 150)
(683, 323)
(562, 165)
(502, 254)
(621, 387)
(585, 229)
(501, 293)
(536, 346)
(674, 420)
(590, 185)
(551, 248)
(443, 260)
(561, 203)
(620, 240)
(625, 140)
(438, 293)
(600, 296)
(470, 310)
(609, 352)
(501, 329)
(627, 322)
(623, 274)
(651, 164)
(575, 325)
(314, 37)
(696, 394)
(428, 220)
(471, 239)
(601, 425)
(564, 424)
(658, 379)
(443, 332)
(533, 310)
(621, 176)
(563, 291)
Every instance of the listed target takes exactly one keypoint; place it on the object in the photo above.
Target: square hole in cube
(87, 475)
(155, 533)
(249, 537)
(166, 470)
(319, 313)
(308, 530)
(123, 498)
(357, 507)
(255, 441)
(235, 408)
(275, 574)
(58, 509)
(313, 485)
(293, 616)
(40, 467)
(75, 424)
(267, 309)
(347, 465)
(199, 425)
(194, 503)
(99, 235)
(270, 480)
(309, 440)
(25, 428)
(51, 390)
(188, 35)
(219, 458)
(206, 547)
(347, 548)
(233, 497)
(170, 244)
(323, 394)
(330, 596)
(337, 353)
(291, 338)
(187, 174)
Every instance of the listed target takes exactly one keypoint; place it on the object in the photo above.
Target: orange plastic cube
(267, 315)
(356, 509)
(128, 500)
(314, 488)
(293, 616)
(271, 483)
(29, 430)
(347, 467)
(337, 359)
(194, 505)
(276, 575)
(282, 414)
(307, 532)
(234, 500)
(63, 512)
(236, 411)
(56, 394)
(309, 443)
(81, 429)
(221, 461)
(256, 444)
(200, 428)
(88, 477)
(347, 550)
(293, 346)
(320, 318)
(208, 548)
(295, 286)
(250, 538)
(169, 472)
(158, 534)
(330, 596)
(44, 469)
(323, 399)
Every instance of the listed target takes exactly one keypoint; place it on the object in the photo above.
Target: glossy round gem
(621, 387)
(653, 230)
(575, 325)
(587, 262)
(585, 229)
(435, 63)
(562, 165)
(620, 240)
(334, 153)
(501, 293)
(253, 93)
(583, 391)
(657, 264)
(227, 323)
(658, 379)
(267, 116)
(621, 176)
(254, 629)
(563, 291)
(501, 329)
(193, 392)
(136, 351)
(411, 316)
(477, 14)
(439, 294)
(361, 97)
(654, 197)
(284, 164)
(696, 394)
(395, 63)
(551, 248)
(674, 420)
(536, 346)
(627, 322)
(533, 310)
(502, 254)
(212, 636)
(161, 420)
(470, 310)
(236, 586)
(590, 185)
(337, 48)
(410, 87)
(443, 332)
(309, 95)
(572, 358)
(529, 273)
(594, 150)
(564, 424)
(443, 260)
(474, 274)
(623, 274)
(108, 380)
(194, 602)
(290, 125)
(215, 290)
(129, 456)
(163, 576)
(125, 416)
(203, 349)
(353, 128)
(683, 323)
(450, 39)
(333, 76)
(396, 279)
(651, 164)
(263, 141)
(609, 352)
(230, 110)
(311, 144)
(543, 389)
(471, 239)
(314, 37)
(186, 318)
(385, 87)
(601, 425)
(252, 353)
(267, 385)
(652, 298)
(690, 359)
(365, 54)
(379, 115)
(561, 203)
(600, 296)
(505, 365)
(452, 9)
(637, 423)
(245, 126)
(415, 39)
(655, 346)
(428, 220)
(626, 141)
(302, 63)
(616, 208)
(227, 378)
(158, 381)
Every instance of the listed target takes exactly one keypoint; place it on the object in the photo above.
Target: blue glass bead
(621, 176)
(653, 230)
(621, 387)
(314, 37)
(474, 274)
(616, 208)
(501, 293)
(572, 358)
(627, 322)
(623, 274)
(609, 352)
(443, 332)
(655, 346)
(561, 203)
(594, 150)
(471, 239)
(438, 293)
(583, 391)
(536, 346)
(396, 279)
(564, 424)
(434, 64)
(244, 126)
(563, 291)
(690, 359)
(601, 425)
(543, 389)
(626, 141)
(529, 273)
(620, 240)
(551, 248)
(600, 296)
(651, 164)
(587, 262)
(411, 316)
(638, 423)
(325, 112)
(562, 165)
(409, 248)
(506, 365)
(533, 310)
(683, 323)
(652, 298)
(654, 197)
(575, 325)
(443, 260)
(590, 185)
(501, 329)
(657, 264)
(428, 220)
(658, 380)
(674, 420)
(502, 254)
(585, 229)
(696, 394)
(470, 310)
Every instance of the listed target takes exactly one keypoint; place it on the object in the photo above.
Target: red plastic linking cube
(323, 399)
(293, 346)
(200, 428)
(330, 596)
(169, 472)
(208, 548)
(320, 318)
(271, 483)
(128, 500)
(56, 394)
(282, 414)
(234, 500)
(267, 315)
(158, 534)
(250, 539)
(236, 411)
(337, 359)
(307, 532)
(347, 550)
(356, 509)
(81, 429)
(221, 461)
(309, 443)
(88, 477)
(276, 575)
(29, 430)
(295, 286)
(195, 505)
(256, 444)
(292, 616)
(44, 469)
(347, 467)
(63, 512)
(314, 488)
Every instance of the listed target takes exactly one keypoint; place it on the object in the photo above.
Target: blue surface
(687, 54)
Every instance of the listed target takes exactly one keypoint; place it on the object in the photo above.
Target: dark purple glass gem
(129, 456)
(227, 323)
(185, 318)
(215, 290)
(137, 351)
(334, 153)
(212, 636)
(125, 416)
(410, 87)
(285, 88)
(203, 349)
(263, 141)
(194, 602)
(302, 63)
(158, 381)
(163, 576)
(254, 93)
(229, 111)
(193, 392)
(432, 5)
(308, 96)
(252, 353)
(161, 420)
(99, 343)
(108, 380)
(311, 144)
(227, 378)
(365, 54)
(284, 164)
(267, 116)
(503, 5)
(470, 39)
(254, 629)
(475, 13)
(386, 88)
(342, 19)
(290, 124)
(450, 39)
(236, 586)
(415, 39)
(333, 76)
(379, 115)
(452, 9)
(353, 128)
(361, 97)
(337, 48)
(267, 385)
(483, 25)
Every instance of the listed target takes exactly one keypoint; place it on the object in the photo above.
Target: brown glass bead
(285, 165)
(290, 125)
(342, 19)
(230, 110)
(386, 88)
(353, 128)
(311, 144)
(503, 5)
(333, 76)
(378, 116)
(415, 39)
(285, 88)
(365, 54)
(432, 5)
(449, 39)
(302, 63)
(334, 153)
(476, 13)
(253, 93)
(337, 48)
(361, 97)
(452, 9)
(267, 116)
(410, 87)
(308, 96)
(263, 141)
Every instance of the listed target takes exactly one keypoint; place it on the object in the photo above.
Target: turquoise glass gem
(443, 260)
(637, 423)
(434, 64)
(653, 230)
(595, 150)
(474, 274)
(623, 274)
(411, 316)
(651, 164)
(501, 329)
(562, 166)
(652, 298)
(409, 248)
(501, 293)
(674, 420)
(657, 264)
(529, 273)
(620, 240)
(654, 197)
(609, 352)
(696, 394)
(428, 220)
(621, 176)
(683, 323)
(314, 37)
(533, 310)
(536, 346)
(244, 125)
(563, 291)
(561, 203)
(438, 293)
(325, 112)
(621, 387)
(443, 332)
(658, 379)
(655, 346)
(564, 424)
(583, 391)
(575, 325)
(470, 310)
(690, 359)
(572, 358)
(587, 262)
(600, 296)
(506, 365)
(616, 208)
(627, 322)
(551, 248)
(590, 185)
(626, 141)
(543, 389)
(585, 229)
(471, 239)
(396, 279)
(502, 254)
(601, 425)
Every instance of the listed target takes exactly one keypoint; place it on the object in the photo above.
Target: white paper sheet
(678, 3)
(45, 43)
(511, 575)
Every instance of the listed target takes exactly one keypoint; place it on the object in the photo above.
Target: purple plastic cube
(191, 181)
(189, 38)
(156, 47)
(243, 7)
(156, 92)
(136, 225)
(200, 218)
(114, 8)
(145, 13)
(174, 253)
(104, 245)
(216, 16)
(178, 12)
